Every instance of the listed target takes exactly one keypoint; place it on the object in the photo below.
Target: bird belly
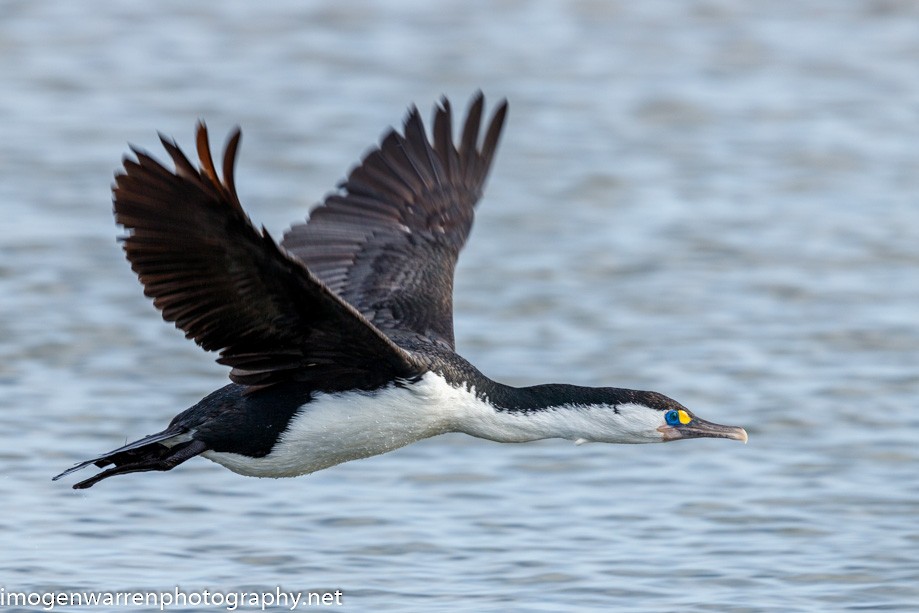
(336, 428)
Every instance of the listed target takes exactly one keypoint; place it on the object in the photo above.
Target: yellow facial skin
(681, 424)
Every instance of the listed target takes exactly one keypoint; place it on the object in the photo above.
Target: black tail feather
(107, 458)
(148, 453)
(165, 458)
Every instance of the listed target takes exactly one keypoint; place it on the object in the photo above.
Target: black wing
(229, 287)
(388, 241)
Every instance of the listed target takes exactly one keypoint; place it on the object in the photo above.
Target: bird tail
(148, 453)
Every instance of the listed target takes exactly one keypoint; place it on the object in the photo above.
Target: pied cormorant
(340, 338)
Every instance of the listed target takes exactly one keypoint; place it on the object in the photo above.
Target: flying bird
(340, 337)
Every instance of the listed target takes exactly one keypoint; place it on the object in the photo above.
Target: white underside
(336, 428)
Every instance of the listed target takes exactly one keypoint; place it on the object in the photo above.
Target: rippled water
(712, 200)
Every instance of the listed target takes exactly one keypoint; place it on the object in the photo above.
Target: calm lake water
(716, 201)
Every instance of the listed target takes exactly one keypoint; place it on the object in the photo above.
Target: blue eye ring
(672, 417)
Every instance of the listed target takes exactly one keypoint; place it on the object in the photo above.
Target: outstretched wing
(388, 241)
(229, 287)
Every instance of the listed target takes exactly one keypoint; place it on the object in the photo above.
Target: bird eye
(672, 417)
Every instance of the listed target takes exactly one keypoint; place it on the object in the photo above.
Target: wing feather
(388, 241)
(229, 286)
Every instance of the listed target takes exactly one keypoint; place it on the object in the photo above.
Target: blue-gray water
(715, 200)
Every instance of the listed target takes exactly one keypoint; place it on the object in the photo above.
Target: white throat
(624, 423)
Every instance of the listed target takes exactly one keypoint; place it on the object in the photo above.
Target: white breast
(335, 428)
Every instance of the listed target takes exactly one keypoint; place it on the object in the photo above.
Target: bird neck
(508, 414)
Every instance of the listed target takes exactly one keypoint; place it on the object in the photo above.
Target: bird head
(649, 415)
(631, 416)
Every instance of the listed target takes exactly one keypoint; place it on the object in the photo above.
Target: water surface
(713, 201)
